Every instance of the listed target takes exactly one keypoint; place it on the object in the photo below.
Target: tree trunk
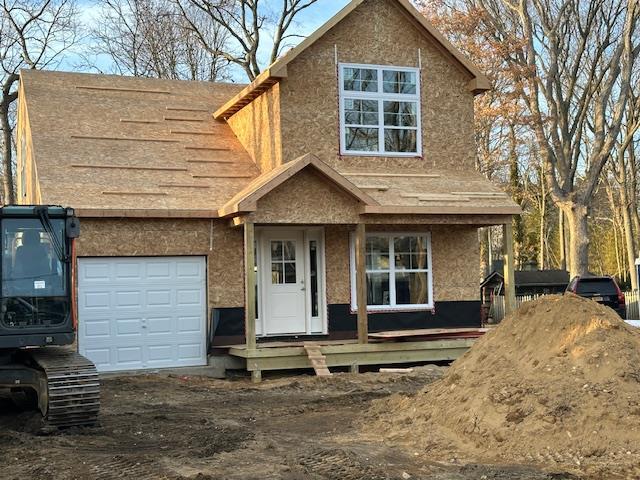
(578, 238)
(8, 196)
(562, 242)
(628, 237)
(543, 223)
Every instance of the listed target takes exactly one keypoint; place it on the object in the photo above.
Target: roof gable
(247, 199)
(278, 70)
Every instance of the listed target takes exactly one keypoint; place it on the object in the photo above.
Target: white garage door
(142, 312)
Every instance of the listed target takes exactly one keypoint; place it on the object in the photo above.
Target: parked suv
(603, 290)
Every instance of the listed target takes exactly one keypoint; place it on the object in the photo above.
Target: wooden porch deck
(349, 353)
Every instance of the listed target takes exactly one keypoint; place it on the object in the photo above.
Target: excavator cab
(36, 281)
(37, 315)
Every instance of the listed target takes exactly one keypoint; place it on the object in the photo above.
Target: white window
(379, 110)
(398, 271)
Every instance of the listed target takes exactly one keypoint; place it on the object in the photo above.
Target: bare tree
(246, 22)
(621, 165)
(572, 63)
(150, 38)
(33, 34)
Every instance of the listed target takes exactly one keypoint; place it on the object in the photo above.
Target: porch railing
(496, 311)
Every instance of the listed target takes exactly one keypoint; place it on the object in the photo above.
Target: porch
(325, 261)
(275, 355)
(260, 352)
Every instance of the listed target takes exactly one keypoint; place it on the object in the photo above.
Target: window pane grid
(398, 123)
(283, 262)
(398, 285)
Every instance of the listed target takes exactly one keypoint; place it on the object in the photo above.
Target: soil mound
(558, 382)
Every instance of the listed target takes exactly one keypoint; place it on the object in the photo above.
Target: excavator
(38, 320)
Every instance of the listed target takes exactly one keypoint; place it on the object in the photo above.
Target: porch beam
(361, 284)
(509, 268)
(249, 286)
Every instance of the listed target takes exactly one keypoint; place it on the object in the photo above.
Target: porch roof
(246, 200)
(423, 192)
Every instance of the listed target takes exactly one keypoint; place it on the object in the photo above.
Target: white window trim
(380, 96)
(392, 307)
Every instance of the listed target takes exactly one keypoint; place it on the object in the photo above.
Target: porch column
(509, 268)
(361, 284)
(249, 286)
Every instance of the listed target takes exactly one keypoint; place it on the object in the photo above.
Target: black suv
(603, 290)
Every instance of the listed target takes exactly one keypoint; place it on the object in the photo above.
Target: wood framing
(250, 285)
(351, 354)
(509, 268)
(361, 283)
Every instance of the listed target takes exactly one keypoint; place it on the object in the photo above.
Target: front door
(283, 282)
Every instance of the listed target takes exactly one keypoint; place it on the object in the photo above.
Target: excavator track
(72, 396)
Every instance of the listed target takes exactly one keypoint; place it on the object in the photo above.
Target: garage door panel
(189, 324)
(160, 325)
(159, 298)
(189, 297)
(95, 300)
(158, 270)
(97, 328)
(101, 357)
(128, 270)
(189, 270)
(128, 327)
(160, 353)
(142, 312)
(97, 272)
(129, 356)
(189, 351)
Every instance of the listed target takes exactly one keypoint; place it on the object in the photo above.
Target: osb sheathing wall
(307, 199)
(257, 127)
(377, 32)
(222, 245)
(454, 250)
(27, 185)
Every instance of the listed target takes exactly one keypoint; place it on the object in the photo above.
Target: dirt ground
(294, 427)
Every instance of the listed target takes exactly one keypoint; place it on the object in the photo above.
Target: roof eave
(440, 210)
(261, 84)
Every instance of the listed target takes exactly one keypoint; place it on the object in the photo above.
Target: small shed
(528, 282)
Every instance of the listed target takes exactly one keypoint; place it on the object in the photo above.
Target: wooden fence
(633, 305)
(496, 311)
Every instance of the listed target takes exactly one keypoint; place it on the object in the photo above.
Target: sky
(307, 21)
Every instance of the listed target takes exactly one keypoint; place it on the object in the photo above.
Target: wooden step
(317, 359)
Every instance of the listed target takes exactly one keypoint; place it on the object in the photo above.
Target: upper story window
(379, 110)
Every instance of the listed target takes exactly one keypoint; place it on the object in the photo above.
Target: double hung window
(379, 110)
(398, 271)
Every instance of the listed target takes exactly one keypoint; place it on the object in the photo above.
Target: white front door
(283, 282)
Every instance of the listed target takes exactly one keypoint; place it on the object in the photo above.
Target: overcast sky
(308, 21)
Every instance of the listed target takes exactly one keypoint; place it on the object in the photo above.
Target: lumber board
(186, 109)
(133, 120)
(353, 348)
(129, 167)
(125, 139)
(114, 192)
(122, 89)
(249, 286)
(426, 332)
(392, 175)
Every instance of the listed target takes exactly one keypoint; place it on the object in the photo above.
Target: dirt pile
(557, 383)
